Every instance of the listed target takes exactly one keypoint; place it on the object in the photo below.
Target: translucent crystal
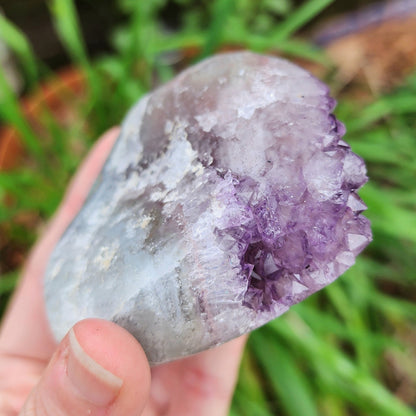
(228, 197)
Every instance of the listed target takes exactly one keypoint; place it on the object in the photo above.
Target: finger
(201, 385)
(25, 331)
(98, 369)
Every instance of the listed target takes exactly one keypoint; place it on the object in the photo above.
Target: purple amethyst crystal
(229, 196)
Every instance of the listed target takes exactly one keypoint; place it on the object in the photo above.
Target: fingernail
(91, 381)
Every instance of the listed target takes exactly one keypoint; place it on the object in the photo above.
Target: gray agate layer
(228, 197)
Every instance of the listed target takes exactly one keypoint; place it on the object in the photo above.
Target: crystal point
(228, 197)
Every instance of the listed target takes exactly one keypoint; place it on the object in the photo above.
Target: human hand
(98, 368)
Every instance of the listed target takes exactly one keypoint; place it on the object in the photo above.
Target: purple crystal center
(284, 240)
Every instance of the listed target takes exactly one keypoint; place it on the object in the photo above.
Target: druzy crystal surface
(228, 197)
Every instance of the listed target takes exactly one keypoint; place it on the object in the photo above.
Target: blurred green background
(75, 68)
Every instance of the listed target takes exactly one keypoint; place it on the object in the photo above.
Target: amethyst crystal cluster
(228, 197)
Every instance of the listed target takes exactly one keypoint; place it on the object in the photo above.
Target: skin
(34, 369)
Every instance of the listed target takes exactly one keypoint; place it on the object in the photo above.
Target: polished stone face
(228, 197)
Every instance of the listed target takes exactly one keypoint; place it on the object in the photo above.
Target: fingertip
(98, 368)
(118, 353)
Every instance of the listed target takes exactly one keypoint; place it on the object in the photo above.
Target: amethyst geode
(228, 197)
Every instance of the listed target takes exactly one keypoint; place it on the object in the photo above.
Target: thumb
(98, 368)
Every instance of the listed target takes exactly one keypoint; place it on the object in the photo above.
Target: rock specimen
(228, 197)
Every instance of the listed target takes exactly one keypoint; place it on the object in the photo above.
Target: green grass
(343, 351)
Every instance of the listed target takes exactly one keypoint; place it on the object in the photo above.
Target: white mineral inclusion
(229, 196)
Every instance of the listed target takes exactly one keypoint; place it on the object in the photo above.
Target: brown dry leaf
(382, 54)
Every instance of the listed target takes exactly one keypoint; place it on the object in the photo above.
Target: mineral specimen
(228, 197)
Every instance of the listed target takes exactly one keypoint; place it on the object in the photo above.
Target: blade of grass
(178, 41)
(246, 407)
(65, 20)
(388, 217)
(67, 25)
(140, 53)
(285, 376)
(249, 390)
(333, 406)
(353, 319)
(324, 323)
(337, 371)
(302, 49)
(392, 307)
(11, 113)
(8, 282)
(221, 11)
(299, 18)
(398, 104)
(17, 42)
